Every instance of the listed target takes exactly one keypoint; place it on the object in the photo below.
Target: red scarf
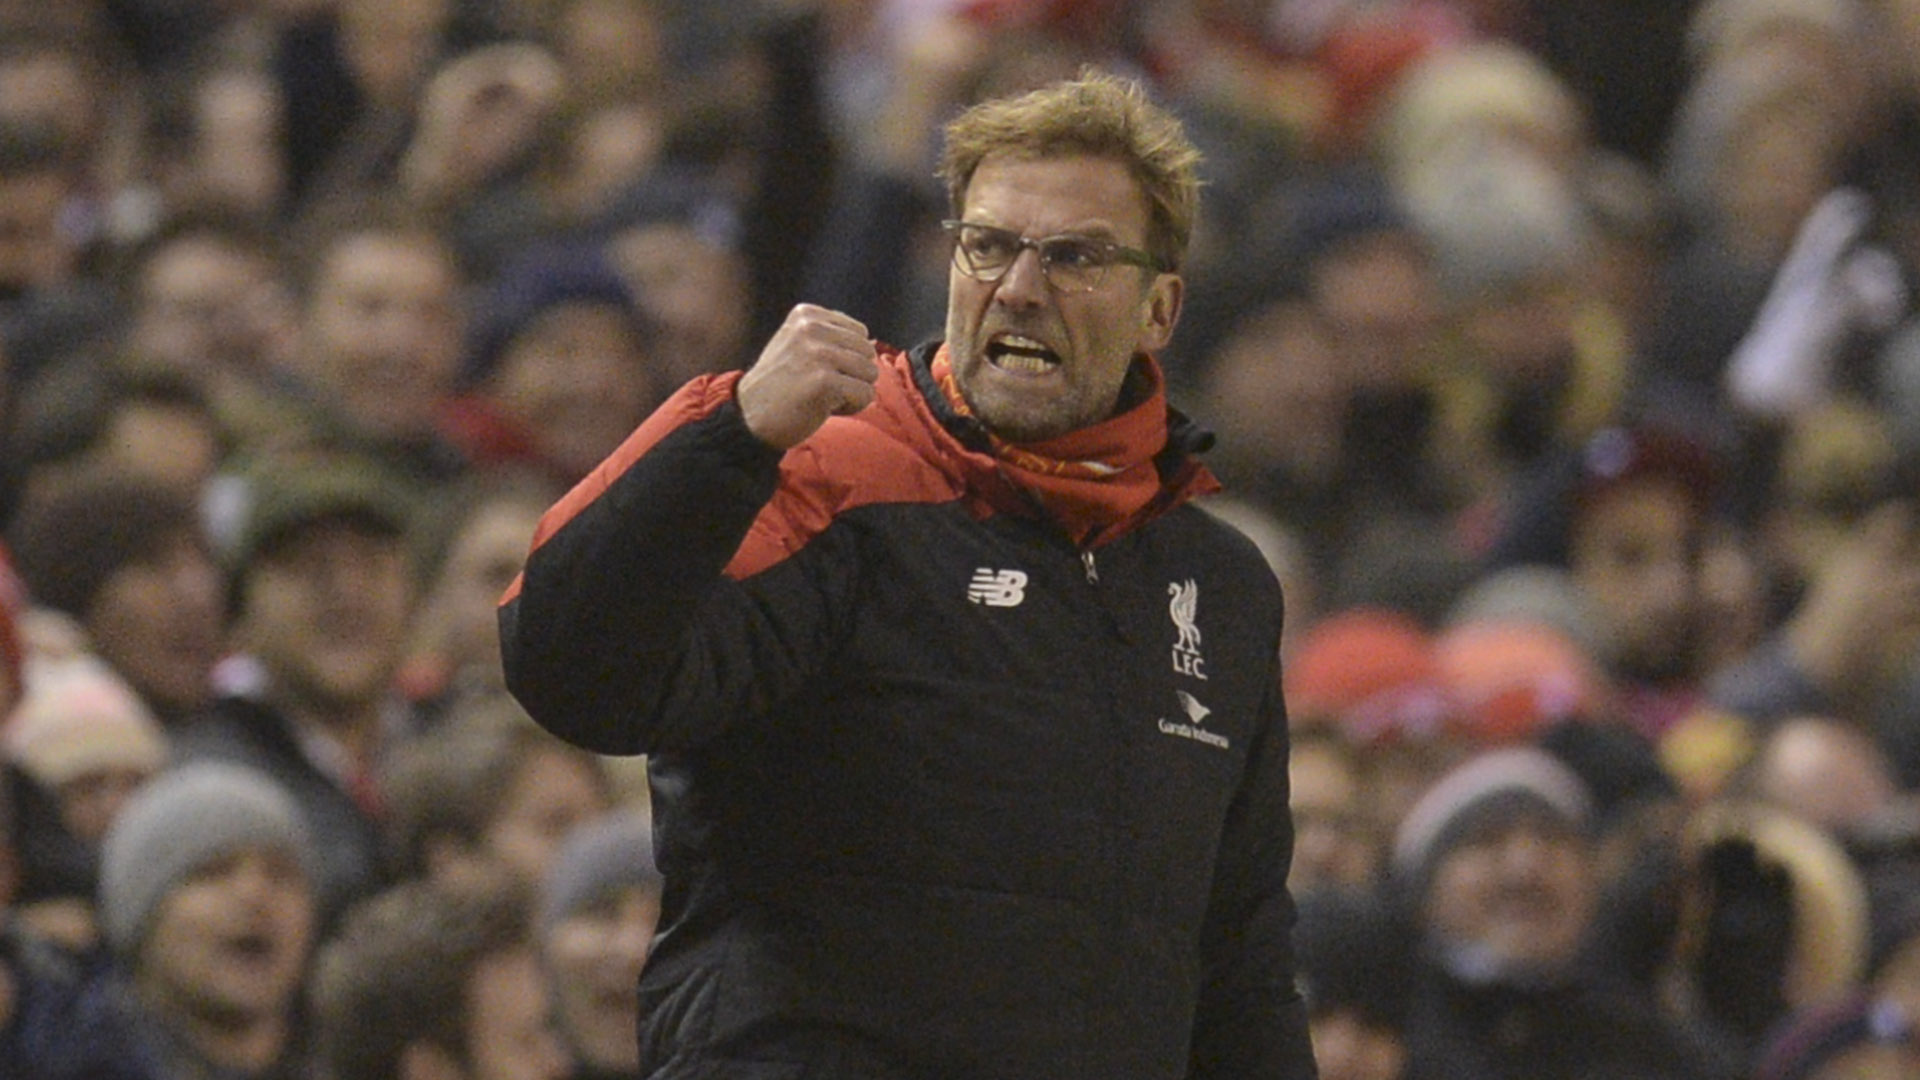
(1090, 479)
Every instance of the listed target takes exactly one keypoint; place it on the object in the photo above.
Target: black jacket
(1585, 1029)
(937, 793)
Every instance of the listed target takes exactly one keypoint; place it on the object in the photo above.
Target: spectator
(1336, 838)
(1355, 966)
(44, 1035)
(435, 979)
(598, 909)
(83, 417)
(1839, 539)
(83, 733)
(215, 138)
(1372, 676)
(208, 295)
(1777, 920)
(381, 328)
(676, 241)
(488, 791)
(128, 560)
(1628, 516)
(1825, 772)
(1508, 681)
(475, 547)
(322, 591)
(206, 898)
(86, 739)
(49, 306)
(350, 75)
(562, 368)
(1496, 864)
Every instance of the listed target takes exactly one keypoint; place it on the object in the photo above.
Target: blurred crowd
(1564, 360)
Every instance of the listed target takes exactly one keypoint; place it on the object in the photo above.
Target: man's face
(596, 955)
(1636, 554)
(578, 377)
(159, 623)
(1516, 893)
(462, 614)
(509, 1034)
(326, 613)
(1382, 307)
(553, 792)
(695, 291)
(231, 940)
(1333, 839)
(1086, 341)
(204, 304)
(383, 330)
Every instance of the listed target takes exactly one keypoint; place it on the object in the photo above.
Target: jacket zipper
(1093, 569)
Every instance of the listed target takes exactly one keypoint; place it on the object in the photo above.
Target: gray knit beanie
(598, 858)
(1505, 780)
(180, 821)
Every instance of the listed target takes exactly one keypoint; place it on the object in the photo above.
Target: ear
(1161, 310)
(424, 1060)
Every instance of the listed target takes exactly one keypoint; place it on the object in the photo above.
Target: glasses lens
(1070, 263)
(985, 252)
(1073, 264)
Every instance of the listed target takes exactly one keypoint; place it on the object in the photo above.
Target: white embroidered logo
(1184, 609)
(1196, 714)
(997, 588)
(1195, 711)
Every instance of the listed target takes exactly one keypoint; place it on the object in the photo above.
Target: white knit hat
(1527, 771)
(80, 717)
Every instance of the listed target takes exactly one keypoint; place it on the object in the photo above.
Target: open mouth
(1021, 355)
(252, 947)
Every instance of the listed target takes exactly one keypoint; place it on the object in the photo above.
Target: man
(1630, 518)
(127, 559)
(436, 981)
(599, 907)
(380, 337)
(322, 592)
(207, 904)
(965, 732)
(1497, 866)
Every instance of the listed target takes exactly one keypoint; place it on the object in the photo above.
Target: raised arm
(623, 633)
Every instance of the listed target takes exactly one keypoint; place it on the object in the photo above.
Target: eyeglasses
(1070, 263)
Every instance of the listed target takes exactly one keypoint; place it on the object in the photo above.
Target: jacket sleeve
(1252, 1023)
(623, 634)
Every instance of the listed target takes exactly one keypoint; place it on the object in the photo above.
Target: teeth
(1021, 354)
(1023, 364)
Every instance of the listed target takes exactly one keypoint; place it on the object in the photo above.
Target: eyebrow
(1104, 232)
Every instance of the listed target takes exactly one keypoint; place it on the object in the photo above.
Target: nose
(1025, 282)
(1527, 851)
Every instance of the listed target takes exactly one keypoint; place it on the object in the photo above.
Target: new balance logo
(997, 588)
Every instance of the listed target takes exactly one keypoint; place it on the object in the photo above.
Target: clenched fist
(820, 363)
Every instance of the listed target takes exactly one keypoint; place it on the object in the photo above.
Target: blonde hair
(1096, 114)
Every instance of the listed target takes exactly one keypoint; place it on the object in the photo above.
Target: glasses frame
(1110, 254)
